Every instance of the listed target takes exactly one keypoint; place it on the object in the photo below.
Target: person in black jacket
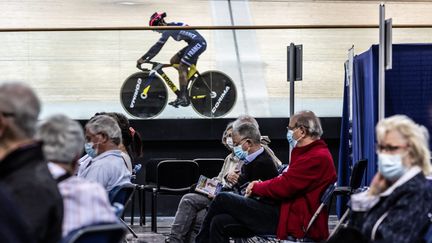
(12, 223)
(257, 165)
(397, 207)
(23, 168)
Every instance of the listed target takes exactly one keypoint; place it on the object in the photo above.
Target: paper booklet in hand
(208, 186)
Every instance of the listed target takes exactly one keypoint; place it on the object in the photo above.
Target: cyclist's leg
(190, 56)
(176, 58)
(182, 70)
(193, 52)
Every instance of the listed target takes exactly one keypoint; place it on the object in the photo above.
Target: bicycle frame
(158, 68)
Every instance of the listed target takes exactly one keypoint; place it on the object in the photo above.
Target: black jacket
(261, 168)
(406, 207)
(25, 176)
(12, 224)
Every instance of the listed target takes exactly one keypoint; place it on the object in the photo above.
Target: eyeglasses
(296, 126)
(7, 114)
(237, 144)
(389, 148)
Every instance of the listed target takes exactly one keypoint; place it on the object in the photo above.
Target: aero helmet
(156, 18)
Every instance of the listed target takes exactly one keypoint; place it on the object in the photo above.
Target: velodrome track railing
(81, 69)
(227, 27)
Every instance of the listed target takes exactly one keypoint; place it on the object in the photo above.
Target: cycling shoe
(180, 101)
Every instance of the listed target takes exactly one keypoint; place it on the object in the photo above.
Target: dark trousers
(235, 210)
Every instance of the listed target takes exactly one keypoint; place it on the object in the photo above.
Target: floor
(164, 223)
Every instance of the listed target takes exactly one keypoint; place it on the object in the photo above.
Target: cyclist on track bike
(185, 57)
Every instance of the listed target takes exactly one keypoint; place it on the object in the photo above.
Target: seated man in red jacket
(287, 201)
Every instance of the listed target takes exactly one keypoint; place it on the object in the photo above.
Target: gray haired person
(63, 143)
(192, 207)
(105, 164)
(24, 172)
(257, 163)
(264, 140)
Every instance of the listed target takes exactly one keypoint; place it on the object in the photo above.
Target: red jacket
(299, 189)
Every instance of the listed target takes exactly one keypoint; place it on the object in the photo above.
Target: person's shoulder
(81, 185)
(111, 157)
(265, 155)
(176, 24)
(419, 184)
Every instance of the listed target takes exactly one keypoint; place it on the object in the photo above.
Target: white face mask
(229, 142)
(291, 140)
(391, 166)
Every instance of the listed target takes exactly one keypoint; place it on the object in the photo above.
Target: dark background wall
(201, 138)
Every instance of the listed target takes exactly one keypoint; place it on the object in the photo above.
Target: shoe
(182, 101)
(173, 103)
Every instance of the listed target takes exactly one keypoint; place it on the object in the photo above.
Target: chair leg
(132, 208)
(141, 195)
(340, 224)
(129, 228)
(154, 211)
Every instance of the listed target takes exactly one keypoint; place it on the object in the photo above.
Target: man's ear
(105, 138)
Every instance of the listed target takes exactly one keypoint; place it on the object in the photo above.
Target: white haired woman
(396, 206)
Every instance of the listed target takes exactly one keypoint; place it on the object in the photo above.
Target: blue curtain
(409, 83)
(408, 91)
(365, 109)
(345, 149)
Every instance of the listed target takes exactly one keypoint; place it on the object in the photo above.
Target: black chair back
(209, 167)
(176, 174)
(123, 194)
(325, 202)
(357, 174)
(108, 233)
(151, 169)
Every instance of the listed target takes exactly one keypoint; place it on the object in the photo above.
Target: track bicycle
(144, 94)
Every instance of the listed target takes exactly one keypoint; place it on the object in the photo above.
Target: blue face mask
(391, 166)
(291, 140)
(88, 147)
(240, 153)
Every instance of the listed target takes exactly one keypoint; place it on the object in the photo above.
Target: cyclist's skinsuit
(189, 55)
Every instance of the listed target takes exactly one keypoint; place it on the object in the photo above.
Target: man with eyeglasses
(24, 172)
(296, 192)
(256, 164)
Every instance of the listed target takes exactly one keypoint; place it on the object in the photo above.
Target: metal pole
(291, 78)
(212, 27)
(350, 82)
(381, 64)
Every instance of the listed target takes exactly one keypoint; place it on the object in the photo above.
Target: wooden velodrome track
(72, 69)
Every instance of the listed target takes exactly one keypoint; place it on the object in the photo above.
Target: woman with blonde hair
(396, 207)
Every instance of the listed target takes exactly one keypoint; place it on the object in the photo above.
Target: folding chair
(138, 189)
(325, 203)
(173, 177)
(123, 196)
(107, 233)
(209, 167)
(356, 178)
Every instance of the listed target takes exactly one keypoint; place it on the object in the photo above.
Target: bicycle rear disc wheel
(213, 94)
(143, 96)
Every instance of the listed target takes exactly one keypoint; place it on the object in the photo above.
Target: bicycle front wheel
(143, 96)
(213, 94)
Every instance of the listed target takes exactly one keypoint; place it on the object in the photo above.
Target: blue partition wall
(408, 91)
